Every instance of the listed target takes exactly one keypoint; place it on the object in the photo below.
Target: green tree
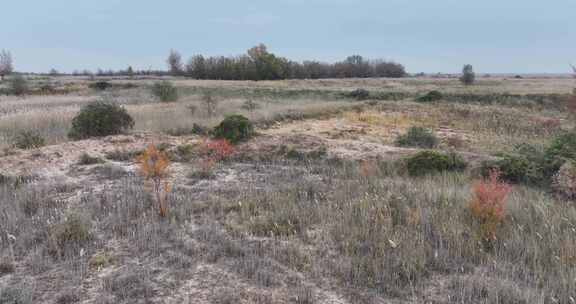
(468, 76)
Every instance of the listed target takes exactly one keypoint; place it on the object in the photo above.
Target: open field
(318, 207)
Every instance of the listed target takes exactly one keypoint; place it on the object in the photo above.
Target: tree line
(260, 64)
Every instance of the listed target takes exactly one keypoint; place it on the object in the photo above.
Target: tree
(130, 72)
(468, 76)
(175, 63)
(196, 67)
(6, 67)
(54, 72)
(268, 66)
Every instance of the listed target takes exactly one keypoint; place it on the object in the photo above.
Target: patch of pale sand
(207, 282)
(54, 163)
(350, 139)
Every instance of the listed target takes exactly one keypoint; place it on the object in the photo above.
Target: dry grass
(309, 230)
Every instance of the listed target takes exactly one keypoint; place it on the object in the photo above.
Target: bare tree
(175, 63)
(6, 67)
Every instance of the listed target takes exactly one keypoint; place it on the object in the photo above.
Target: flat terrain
(316, 208)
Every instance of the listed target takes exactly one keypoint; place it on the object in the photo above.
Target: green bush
(418, 137)
(360, 94)
(515, 168)
(100, 118)
(86, 160)
(532, 165)
(431, 96)
(234, 128)
(18, 85)
(165, 91)
(100, 85)
(563, 147)
(429, 162)
(29, 140)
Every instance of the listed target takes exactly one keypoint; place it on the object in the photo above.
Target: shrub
(73, 231)
(122, 155)
(154, 166)
(431, 96)
(532, 165)
(18, 85)
(85, 160)
(428, 162)
(514, 168)
(564, 181)
(29, 140)
(488, 204)
(250, 105)
(563, 147)
(165, 91)
(218, 150)
(100, 118)
(100, 85)
(360, 94)
(213, 152)
(234, 128)
(418, 137)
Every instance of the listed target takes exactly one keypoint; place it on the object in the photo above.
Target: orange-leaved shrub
(154, 165)
(488, 204)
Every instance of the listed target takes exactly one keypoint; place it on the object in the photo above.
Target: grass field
(318, 207)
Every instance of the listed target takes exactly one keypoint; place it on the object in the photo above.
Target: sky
(496, 36)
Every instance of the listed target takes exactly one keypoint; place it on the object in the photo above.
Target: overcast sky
(496, 36)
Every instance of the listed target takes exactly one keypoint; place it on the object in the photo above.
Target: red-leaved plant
(214, 152)
(488, 204)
